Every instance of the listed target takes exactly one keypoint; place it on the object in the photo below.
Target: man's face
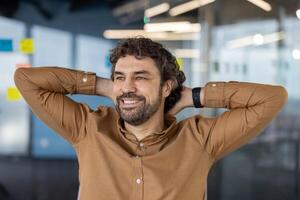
(136, 86)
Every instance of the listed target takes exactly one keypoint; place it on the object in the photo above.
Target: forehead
(130, 64)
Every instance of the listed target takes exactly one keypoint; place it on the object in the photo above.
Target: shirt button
(84, 79)
(138, 181)
(137, 157)
(214, 85)
(141, 144)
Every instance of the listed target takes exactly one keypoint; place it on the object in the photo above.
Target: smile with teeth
(130, 102)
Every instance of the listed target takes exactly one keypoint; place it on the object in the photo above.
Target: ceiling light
(118, 34)
(240, 42)
(187, 53)
(167, 26)
(192, 28)
(298, 13)
(273, 37)
(183, 26)
(191, 5)
(258, 39)
(296, 54)
(157, 10)
(262, 4)
(162, 36)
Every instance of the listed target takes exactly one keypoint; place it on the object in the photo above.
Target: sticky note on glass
(13, 94)
(180, 63)
(27, 46)
(6, 45)
(23, 65)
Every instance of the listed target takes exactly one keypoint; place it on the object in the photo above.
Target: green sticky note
(146, 20)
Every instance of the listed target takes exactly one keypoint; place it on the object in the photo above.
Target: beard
(140, 113)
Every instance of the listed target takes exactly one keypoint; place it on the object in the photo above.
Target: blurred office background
(242, 40)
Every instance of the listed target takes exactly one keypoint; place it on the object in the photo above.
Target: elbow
(283, 95)
(19, 77)
(18, 73)
(275, 104)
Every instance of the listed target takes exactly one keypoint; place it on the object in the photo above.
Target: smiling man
(140, 94)
(137, 150)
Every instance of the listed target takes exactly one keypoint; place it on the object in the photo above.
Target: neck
(155, 123)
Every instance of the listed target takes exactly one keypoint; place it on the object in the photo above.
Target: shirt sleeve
(251, 107)
(45, 89)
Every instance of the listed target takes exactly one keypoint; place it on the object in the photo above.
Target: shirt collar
(170, 121)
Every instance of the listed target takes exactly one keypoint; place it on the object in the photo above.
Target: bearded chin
(134, 120)
(137, 116)
(140, 114)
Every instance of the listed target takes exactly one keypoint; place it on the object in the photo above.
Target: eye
(119, 78)
(140, 78)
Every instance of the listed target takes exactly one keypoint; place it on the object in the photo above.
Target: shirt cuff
(214, 95)
(85, 83)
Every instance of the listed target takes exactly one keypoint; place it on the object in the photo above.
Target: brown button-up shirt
(168, 165)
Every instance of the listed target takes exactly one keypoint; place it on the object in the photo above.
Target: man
(138, 150)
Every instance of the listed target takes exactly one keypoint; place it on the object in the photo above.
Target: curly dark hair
(141, 47)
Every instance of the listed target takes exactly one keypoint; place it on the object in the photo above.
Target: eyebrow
(135, 73)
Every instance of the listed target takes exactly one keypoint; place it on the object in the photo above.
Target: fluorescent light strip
(157, 10)
(191, 5)
(181, 27)
(187, 53)
(298, 13)
(162, 36)
(240, 42)
(256, 39)
(262, 4)
(168, 26)
(193, 28)
(273, 37)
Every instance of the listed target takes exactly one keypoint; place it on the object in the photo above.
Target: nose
(128, 86)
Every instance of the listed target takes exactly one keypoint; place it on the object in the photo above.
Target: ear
(168, 88)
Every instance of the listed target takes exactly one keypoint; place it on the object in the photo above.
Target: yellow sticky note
(13, 94)
(27, 46)
(180, 63)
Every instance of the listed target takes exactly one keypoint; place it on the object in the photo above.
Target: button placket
(142, 147)
(138, 177)
(139, 181)
(141, 144)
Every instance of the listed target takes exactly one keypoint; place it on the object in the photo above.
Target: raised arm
(45, 89)
(251, 107)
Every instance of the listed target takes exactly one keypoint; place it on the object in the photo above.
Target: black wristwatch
(196, 97)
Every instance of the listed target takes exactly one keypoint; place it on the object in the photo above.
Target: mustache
(130, 95)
